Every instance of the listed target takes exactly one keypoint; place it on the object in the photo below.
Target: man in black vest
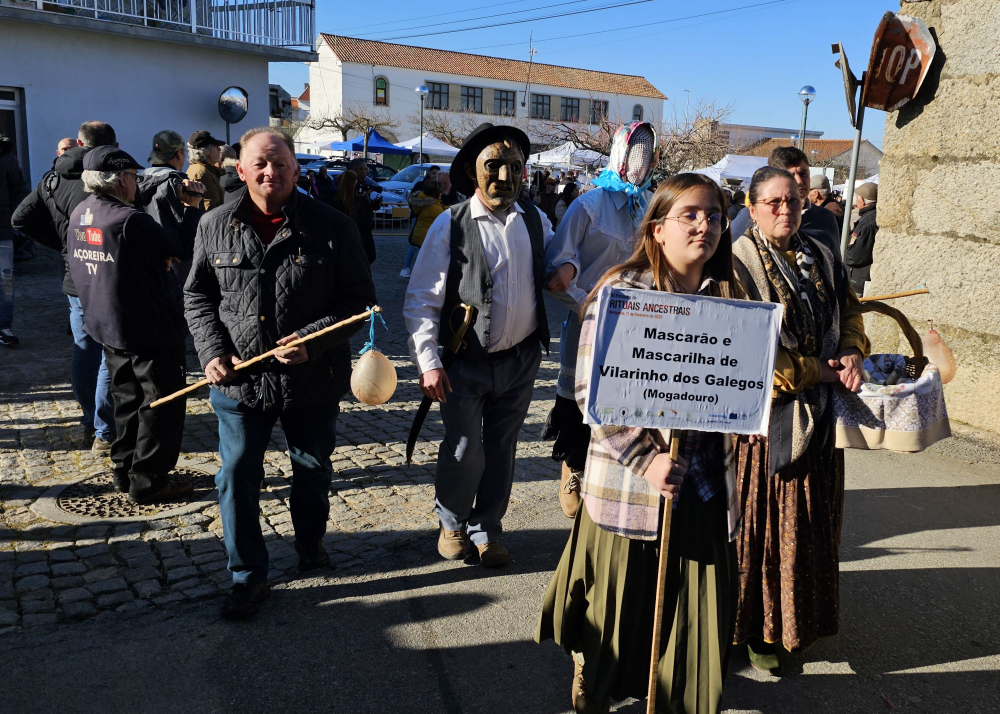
(487, 252)
(119, 258)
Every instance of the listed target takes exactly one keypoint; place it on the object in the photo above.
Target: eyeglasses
(717, 222)
(774, 204)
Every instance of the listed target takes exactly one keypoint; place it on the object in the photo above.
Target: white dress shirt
(595, 235)
(508, 255)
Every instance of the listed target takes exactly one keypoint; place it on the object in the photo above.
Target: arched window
(381, 91)
(637, 112)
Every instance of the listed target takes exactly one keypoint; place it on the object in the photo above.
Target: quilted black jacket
(240, 298)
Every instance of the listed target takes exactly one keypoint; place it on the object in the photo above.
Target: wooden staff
(258, 358)
(661, 587)
(893, 296)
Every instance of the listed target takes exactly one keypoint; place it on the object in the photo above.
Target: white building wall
(138, 86)
(334, 86)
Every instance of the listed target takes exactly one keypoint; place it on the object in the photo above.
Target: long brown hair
(648, 254)
(345, 190)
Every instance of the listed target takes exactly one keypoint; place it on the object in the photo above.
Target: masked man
(594, 235)
(486, 252)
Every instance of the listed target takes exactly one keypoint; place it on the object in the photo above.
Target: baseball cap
(819, 181)
(868, 191)
(108, 158)
(203, 140)
(165, 145)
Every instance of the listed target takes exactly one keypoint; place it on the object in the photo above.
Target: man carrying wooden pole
(273, 267)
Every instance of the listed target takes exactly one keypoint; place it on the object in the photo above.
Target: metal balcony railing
(274, 23)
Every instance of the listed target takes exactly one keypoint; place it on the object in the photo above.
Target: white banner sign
(674, 361)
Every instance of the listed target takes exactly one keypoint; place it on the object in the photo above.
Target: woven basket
(914, 365)
(906, 417)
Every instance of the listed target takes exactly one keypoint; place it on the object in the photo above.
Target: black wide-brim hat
(479, 138)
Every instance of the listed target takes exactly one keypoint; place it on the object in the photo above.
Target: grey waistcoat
(469, 279)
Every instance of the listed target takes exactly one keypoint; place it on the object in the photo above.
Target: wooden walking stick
(661, 587)
(258, 358)
(893, 296)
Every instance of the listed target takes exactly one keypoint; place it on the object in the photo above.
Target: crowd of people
(235, 256)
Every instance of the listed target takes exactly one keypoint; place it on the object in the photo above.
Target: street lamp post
(422, 91)
(807, 94)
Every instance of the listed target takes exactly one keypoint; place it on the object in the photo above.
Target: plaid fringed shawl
(617, 496)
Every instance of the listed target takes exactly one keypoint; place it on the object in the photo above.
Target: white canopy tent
(843, 187)
(432, 146)
(566, 156)
(320, 143)
(733, 168)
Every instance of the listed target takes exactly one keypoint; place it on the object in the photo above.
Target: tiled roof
(385, 54)
(825, 149)
(304, 97)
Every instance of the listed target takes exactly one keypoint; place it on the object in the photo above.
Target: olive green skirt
(601, 598)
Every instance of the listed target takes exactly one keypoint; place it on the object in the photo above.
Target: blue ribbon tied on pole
(370, 344)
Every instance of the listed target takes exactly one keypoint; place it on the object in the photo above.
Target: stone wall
(939, 204)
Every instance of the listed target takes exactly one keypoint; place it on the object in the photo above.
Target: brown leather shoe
(452, 545)
(493, 555)
(569, 491)
(173, 490)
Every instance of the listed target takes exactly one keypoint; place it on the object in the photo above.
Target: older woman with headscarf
(595, 233)
(791, 485)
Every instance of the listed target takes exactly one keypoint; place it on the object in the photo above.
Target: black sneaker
(7, 338)
(243, 600)
(312, 557)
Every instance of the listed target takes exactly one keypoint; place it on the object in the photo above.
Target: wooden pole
(893, 296)
(661, 587)
(258, 358)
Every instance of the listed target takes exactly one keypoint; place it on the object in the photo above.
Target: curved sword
(454, 346)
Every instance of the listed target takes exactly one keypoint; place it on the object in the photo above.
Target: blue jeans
(90, 378)
(244, 433)
(6, 284)
(411, 257)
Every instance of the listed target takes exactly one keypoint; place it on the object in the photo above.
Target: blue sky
(755, 58)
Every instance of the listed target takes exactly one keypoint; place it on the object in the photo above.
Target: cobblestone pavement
(52, 572)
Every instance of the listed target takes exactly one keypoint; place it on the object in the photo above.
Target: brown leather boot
(583, 703)
(569, 490)
(452, 545)
(493, 555)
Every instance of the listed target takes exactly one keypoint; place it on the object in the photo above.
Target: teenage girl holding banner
(600, 604)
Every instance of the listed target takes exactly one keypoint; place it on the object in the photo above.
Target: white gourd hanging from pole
(373, 380)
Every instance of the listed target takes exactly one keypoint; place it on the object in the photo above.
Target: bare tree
(695, 140)
(448, 126)
(367, 119)
(338, 122)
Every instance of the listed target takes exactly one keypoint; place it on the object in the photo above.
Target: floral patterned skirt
(789, 547)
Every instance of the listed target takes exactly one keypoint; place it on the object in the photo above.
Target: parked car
(377, 172)
(403, 181)
(305, 159)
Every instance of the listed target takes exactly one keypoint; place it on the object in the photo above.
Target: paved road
(98, 618)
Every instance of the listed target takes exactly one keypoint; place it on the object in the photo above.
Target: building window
(381, 90)
(540, 106)
(438, 95)
(637, 112)
(472, 99)
(504, 102)
(598, 111)
(569, 109)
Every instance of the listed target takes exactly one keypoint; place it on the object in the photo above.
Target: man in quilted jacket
(271, 266)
